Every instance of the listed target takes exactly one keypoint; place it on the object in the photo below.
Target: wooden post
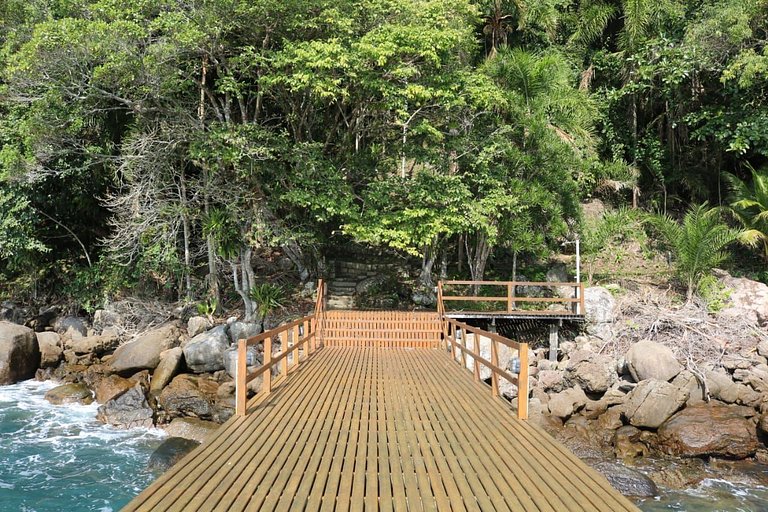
(310, 343)
(283, 337)
(582, 310)
(241, 390)
(476, 351)
(464, 336)
(522, 382)
(495, 362)
(510, 287)
(294, 341)
(266, 385)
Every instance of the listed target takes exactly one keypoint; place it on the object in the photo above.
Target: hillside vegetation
(197, 150)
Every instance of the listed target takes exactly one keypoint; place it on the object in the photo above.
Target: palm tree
(698, 243)
(749, 202)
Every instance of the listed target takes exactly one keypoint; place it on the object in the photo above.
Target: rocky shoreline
(645, 417)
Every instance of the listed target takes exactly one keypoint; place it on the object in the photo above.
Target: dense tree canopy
(160, 143)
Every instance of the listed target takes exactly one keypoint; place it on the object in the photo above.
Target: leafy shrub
(267, 297)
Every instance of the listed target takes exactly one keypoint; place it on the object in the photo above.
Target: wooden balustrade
(510, 298)
(459, 343)
(298, 340)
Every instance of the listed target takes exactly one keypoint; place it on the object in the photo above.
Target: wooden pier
(391, 425)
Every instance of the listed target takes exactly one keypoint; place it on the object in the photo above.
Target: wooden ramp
(368, 428)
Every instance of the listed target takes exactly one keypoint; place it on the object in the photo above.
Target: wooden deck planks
(385, 429)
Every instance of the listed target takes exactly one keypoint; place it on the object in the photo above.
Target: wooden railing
(455, 336)
(383, 329)
(573, 305)
(298, 340)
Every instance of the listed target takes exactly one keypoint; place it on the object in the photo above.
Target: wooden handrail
(288, 335)
(575, 303)
(460, 344)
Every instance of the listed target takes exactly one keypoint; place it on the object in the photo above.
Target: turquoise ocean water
(60, 459)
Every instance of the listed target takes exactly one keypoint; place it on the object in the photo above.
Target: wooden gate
(390, 329)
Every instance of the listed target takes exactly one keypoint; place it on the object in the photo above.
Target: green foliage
(268, 297)
(208, 308)
(606, 233)
(699, 243)
(714, 293)
(749, 203)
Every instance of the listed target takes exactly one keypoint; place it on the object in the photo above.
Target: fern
(267, 297)
(698, 243)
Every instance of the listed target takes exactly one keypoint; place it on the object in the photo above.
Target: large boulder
(205, 352)
(143, 353)
(71, 327)
(722, 387)
(170, 363)
(650, 360)
(594, 373)
(709, 430)
(188, 395)
(96, 345)
(627, 481)
(505, 353)
(104, 319)
(51, 350)
(652, 402)
(19, 353)
(599, 305)
(192, 428)
(171, 451)
(70, 394)
(565, 403)
(559, 274)
(128, 410)
(243, 330)
(112, 386)
(253, 359)
(748, 299)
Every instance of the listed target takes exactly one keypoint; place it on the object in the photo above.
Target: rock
(170, 452)
(170, 363)
(70, 394)
(748, 299)
(599, 305)
(687, 380)
(551, 380)
(762, 348)
(186, 396)
(197, 325)
(129, 410)
(71, 327)
(611, 419)
(565, 403)
(243, 330)
(709, 430)
(191, 428)
(626, 443)
(96, 345)
(651, 360)
(252, 359)
(594, 373)
(51, 350)
(627, 481)
(652, 402)
(721, 387)
(44, 319)
(19, 353)
(112, 386)
(143, 353)
(748, 396)
(13, 313)
(758, 378)
(205, 352)
(559, 274)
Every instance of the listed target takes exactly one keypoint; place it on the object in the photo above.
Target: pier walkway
(379, 427)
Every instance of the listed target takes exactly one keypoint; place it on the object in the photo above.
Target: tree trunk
(427, 263)
(187, 235)
(477, 258)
